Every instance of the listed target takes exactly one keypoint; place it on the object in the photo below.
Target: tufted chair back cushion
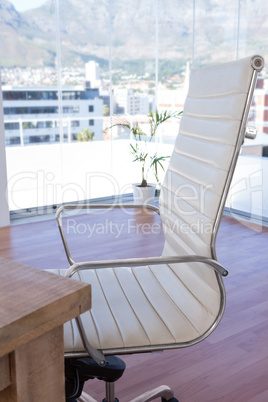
(194, 182)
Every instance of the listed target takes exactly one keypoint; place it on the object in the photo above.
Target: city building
(31, 115)
(108, 101)
(92, 74)
(129, 102)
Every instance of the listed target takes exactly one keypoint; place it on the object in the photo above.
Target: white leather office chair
(178, 299)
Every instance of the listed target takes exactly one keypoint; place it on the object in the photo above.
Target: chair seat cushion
(152, 306)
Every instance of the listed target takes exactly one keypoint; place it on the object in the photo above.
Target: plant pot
(143, 195)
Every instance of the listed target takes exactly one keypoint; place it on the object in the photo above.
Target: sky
(23, 5)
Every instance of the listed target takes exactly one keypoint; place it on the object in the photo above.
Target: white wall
(50, 174)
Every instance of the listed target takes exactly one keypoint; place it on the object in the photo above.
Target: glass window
(75, 123)
(215, 32)
(137, 58)
(70, 109)
(33, 139)
(14, 141)
(12, 126)
(29, 79)
(68, 95)
(248, 195)
(14, 95)
(41, 95)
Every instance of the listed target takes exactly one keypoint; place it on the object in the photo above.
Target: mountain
(21, 42)
(87, 28)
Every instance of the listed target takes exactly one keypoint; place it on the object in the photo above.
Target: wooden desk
(34, 304)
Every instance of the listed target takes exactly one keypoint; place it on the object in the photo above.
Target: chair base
(79, 370)
(164, 392)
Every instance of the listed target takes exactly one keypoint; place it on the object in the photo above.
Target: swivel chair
(178, 299)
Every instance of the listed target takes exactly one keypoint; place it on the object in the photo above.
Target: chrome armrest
(97, 355)
(138, 262)
(131, 262)
(95, 206)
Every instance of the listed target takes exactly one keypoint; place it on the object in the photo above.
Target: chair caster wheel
(170, 400)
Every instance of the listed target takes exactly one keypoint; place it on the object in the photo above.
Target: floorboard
(231, 365)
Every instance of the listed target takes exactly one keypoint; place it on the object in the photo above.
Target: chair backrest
(201, 166)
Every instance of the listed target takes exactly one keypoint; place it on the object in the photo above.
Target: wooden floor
(232, 364)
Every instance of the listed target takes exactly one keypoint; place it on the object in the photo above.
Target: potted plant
(143, 191)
